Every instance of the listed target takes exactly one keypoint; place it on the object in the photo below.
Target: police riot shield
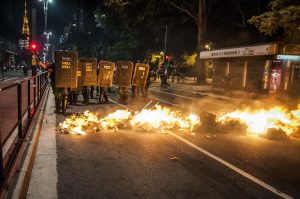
(79, 76)
(106, 73)
(140, 75)
(123, 73)
(66, 66)
(89, 71)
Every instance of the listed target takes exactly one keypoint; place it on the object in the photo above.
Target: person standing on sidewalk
(25, 70)
(227, 80)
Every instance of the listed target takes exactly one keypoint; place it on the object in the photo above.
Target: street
(12, 75)
(133, 163)
(202, 99)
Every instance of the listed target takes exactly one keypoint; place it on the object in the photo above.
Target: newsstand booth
(259, 68)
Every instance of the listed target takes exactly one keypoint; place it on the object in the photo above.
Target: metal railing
(18, 104)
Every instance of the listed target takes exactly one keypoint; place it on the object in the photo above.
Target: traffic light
(33, 46)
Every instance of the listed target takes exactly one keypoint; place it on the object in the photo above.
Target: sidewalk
(38, 167)
(44, 170)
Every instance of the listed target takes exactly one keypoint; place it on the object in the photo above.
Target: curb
(203, 90)
(21, 180)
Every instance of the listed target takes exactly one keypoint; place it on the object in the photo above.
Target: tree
(198, 15)
(284, 18)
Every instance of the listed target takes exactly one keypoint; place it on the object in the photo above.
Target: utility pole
(166, 37)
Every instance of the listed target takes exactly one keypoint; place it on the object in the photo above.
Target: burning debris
(232, 125)
(275, 134)
(208, 122)
(147, 119)
(88, 121)
(260, 121)
(163, 118)
(275, 123)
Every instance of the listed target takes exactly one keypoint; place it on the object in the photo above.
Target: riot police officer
(105, 78)
(140, 79)
(59, 94)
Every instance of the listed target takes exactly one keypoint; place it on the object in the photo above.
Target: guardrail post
(29, 102)
(1, 155)
(34, 93)
(39, 88)
(19, 95)
(42, 83)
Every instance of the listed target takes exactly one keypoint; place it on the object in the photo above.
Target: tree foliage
(284, 17)
(140, 26)
(190, 60)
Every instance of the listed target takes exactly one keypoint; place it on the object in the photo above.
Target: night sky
(60, 14)
(222, 18)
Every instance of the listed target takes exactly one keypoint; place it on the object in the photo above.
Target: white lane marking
(147, 104)
(172, 94)
(166, 102)
(230, 166)
(234, 168)
(113, 101)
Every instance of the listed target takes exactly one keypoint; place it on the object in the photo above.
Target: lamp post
(47, 34)
(45, 2)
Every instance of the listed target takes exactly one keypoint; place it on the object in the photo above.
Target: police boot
(105, 98)
(75, 97)
(70, 97)
(92, 92)
(57, 104)
(97, 91)
(64, 103)
(85, 97)
(101, 98)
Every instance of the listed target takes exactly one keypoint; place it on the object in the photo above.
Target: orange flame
(259, 121)
(147, 119)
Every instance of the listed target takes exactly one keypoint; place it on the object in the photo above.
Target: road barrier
(18, 104)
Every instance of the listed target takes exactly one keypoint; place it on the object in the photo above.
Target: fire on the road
(163, 118)
(148, 119)
(261, 120)
(257, 121)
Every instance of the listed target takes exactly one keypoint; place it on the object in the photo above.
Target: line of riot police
(71, 76)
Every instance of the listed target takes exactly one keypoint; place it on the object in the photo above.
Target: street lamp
(45, 2)
(48, 34)
(207, 47)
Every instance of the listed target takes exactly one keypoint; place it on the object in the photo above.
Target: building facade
(259, 68)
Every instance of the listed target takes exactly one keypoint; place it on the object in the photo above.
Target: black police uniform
(59, 95)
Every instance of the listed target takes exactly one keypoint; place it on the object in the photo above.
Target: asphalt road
(12, 75)
(135, 164)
